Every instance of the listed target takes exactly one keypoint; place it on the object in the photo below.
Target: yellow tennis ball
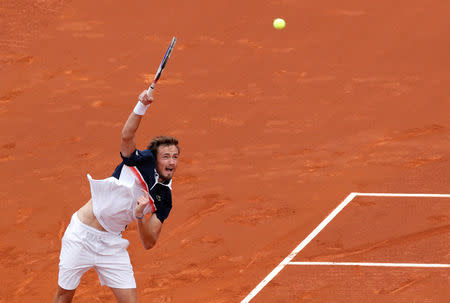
(279, 23)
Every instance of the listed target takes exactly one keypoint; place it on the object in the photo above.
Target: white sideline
(318, 229)
(302, 245)
(403, 195)
(373, 264)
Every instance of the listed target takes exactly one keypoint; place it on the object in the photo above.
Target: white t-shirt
(114, 200)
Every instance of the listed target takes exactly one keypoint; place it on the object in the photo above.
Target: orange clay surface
(276, 128)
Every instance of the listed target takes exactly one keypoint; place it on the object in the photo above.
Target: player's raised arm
(128, 144)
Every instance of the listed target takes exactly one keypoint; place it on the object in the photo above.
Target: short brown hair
(162, 140)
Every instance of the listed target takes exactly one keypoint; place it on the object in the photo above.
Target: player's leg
(113, 266)
(74, 260)
(125, 295)
(63, 295)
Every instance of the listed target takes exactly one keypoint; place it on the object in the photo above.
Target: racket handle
(150, 88)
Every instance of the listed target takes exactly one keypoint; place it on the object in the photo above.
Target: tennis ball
(279, 23)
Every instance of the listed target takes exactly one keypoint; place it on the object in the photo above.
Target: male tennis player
(141, 184)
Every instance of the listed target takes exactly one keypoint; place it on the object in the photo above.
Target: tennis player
(140, 189)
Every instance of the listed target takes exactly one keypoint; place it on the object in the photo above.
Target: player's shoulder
(146, 153)
(138, 157)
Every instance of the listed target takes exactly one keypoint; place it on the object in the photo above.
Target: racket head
(164, 60)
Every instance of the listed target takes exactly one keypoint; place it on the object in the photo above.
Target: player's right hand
(146, 97)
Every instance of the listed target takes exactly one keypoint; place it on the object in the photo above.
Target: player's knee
(148, 246)
(63, 295)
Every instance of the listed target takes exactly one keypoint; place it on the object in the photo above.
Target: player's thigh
(115, 270)
(125, 295)
(76, 256)
(63, 295)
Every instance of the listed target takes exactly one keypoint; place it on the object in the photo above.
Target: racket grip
(150, 88)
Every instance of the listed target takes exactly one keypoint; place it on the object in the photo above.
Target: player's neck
(163, 180)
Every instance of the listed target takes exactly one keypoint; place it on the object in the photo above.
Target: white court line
(373, 264)
(302, 245)
(319, 228)
(403, 195)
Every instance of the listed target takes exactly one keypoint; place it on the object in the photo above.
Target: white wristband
(140, 108)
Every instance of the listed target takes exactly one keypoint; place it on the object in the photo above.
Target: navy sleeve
(162, 196)
(163, 212)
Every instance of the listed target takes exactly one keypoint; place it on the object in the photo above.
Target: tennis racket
(163, 62)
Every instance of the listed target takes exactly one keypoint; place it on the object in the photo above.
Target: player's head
(166, 151)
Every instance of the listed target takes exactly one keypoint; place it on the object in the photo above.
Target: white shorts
(84, 247)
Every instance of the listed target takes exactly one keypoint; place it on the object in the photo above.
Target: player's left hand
(142, 202)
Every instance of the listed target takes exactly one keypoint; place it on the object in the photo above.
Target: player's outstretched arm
(128, 144)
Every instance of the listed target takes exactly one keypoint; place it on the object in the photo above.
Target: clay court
(314, 159)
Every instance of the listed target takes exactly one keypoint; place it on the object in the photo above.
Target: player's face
(166, 161)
